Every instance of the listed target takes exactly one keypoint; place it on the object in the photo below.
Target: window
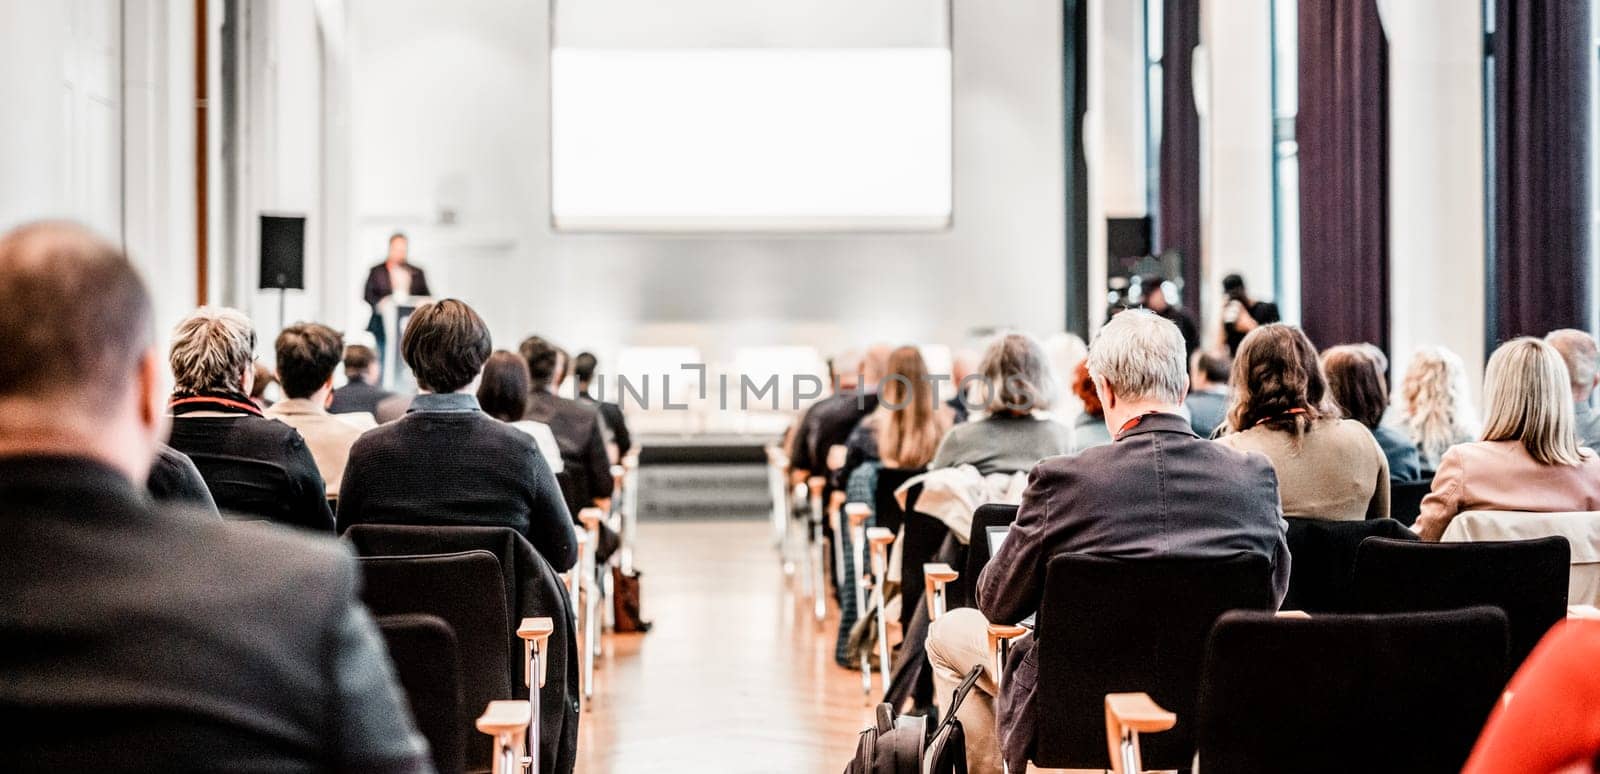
(1286, 156)
(727, 115)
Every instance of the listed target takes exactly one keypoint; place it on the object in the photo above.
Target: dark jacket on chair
(615, 422)
(1157, 491)
(134, 637)
(581, 434)
(446, 463)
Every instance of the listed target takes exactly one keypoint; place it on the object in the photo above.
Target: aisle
(735, 677)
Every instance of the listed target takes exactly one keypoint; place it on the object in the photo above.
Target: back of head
(1582, 356)
(1355, 383)
(76, 321)
(910, 434)
(1083, 387)
(1277, 381)
(1141, 356)
(1433, 399)
(211, 349)
(543, 358)
(846, 367)
(357, 359)
(445, 343)
(503, 389)
(1214, 365)
(1233, 286)
(1018, 375)
(583, 367)
(307, 355)
(1527, 398)
(875, 364)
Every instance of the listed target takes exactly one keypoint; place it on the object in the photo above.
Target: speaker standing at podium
(394, 277)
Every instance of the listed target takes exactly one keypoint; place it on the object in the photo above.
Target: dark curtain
(1178, 215)
(1342, 129)
(1075, 98)
(1539, 275)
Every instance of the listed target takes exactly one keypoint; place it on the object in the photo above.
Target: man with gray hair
(257, 468)
(1158, 491)
(1582, 356)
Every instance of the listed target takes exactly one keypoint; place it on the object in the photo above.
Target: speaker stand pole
(282, 292)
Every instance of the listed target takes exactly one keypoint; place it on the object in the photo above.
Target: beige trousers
(958, 641)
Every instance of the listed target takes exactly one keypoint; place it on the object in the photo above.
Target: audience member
(905, 429)
(1241, 313)
(829, 422)
(446, 462)
(1436, 409)
(361, 393)
(1208, 391)
(1201, 501)
(1013, 432)
(1580, 353)
(1155, 299)
(1547, 723)
(1357, 387)
(133, 635)
(579, 429)
(175, 480)
(308, 353)
(1090, 428)
(255, 467)
(963, 363)
(1064, 351)
(1529, 458)
(503, 394)
(583, 370)
(1328, 467)
(265, 378)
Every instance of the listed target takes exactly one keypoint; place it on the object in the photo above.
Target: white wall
(1115, 133)
(448, 112)
(1436, 167)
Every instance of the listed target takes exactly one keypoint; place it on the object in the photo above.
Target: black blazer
(615, 422)
(134, 637)
(256, 468)
(379, 287)
(357, 397)
(580, 433)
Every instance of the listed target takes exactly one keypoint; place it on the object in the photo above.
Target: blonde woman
(1436, 412)
(1328, 467)
(905, 430)
(1529, 458)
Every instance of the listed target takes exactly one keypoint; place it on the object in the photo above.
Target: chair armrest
(535, 632)
(837, 454)
(815, 485)
(591, 518)
(631, 462)
(505, 716)
(934, 576)
(1127, 716)
(1293, 614)
(857, 513)
(1007, 632)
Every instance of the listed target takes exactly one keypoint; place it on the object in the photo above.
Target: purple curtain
(1342, 130)
(1539, 278)
(1178, 215)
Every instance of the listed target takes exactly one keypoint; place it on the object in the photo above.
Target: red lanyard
(1290, 412)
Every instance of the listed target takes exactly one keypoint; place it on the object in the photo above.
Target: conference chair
(778, 490)
(1580, 528)
(1405, 499)
(532, 590)
(1527, 579)
(1323, 556)
(921, 537)
(1127, 625)
(1329, 694)
(427, 663)
(878, 542)
(593, 593)
(463, 590)
(834, 507)
(630, 508)
(815, 577)
(990, 515)
(506, 723)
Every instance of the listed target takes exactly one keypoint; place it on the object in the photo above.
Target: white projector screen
(751, 139)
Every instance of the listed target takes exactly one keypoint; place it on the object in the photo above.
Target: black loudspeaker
(283, 252)
(1127, 237)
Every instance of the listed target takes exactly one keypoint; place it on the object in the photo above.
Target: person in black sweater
(583, 368)
(448, 463)
(137, 636)
(580, 430)
(256, 468)
(361, 393)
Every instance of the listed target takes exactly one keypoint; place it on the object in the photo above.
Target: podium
(396, 311)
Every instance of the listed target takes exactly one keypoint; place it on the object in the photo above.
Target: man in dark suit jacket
(395, 275)
(578, 427)
(1157, 491)
(361, 393)
(135, 637)
(446, 462)
(583, 368)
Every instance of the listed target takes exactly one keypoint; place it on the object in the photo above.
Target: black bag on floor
(899, 744)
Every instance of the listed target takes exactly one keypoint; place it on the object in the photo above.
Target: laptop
(997, 536)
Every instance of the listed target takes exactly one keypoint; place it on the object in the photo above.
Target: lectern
(396, 311)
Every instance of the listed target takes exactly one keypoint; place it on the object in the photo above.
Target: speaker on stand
(283, 257)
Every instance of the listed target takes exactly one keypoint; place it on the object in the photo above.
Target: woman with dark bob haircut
(1357, 386)
(503, 394)
(1328, 467)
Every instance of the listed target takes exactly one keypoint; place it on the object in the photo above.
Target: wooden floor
(735, 677)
